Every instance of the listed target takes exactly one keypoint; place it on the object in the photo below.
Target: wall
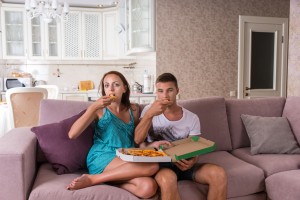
(197, 40)
(294, 46)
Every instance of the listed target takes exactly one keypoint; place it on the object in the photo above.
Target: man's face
(167, 90)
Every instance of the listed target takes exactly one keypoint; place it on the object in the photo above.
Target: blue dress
(110, 134)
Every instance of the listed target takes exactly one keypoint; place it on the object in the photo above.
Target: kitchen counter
(93, 95)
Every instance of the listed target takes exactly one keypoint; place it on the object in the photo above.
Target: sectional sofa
(25, 174)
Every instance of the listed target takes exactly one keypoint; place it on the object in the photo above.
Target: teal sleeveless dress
(110, 134)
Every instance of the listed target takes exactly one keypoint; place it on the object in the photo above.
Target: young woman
(116, 120)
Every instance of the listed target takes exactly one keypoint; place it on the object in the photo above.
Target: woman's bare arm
(94, 111)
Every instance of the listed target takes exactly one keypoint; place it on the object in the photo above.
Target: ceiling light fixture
(48, 11)
(107, 3)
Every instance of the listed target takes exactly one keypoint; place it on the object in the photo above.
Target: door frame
(242, 49)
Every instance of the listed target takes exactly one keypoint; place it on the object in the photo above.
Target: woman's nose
(112, 88)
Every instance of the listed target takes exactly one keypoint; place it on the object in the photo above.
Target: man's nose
(165, 95)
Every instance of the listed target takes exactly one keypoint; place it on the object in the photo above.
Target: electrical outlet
(232, 93)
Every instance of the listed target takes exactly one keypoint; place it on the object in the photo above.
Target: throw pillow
(271, 135)
(66, 155)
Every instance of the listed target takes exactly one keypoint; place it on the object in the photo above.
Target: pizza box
(181, 149)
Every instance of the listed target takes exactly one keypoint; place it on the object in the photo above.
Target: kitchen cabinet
(140, 23)
(86, 34)
(14, 32)
(75, 96)
(44, 39)
(142, 98)
(82, 36)
(110, 35)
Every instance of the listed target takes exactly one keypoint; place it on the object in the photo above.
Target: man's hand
(157, 144)
(184, 165)
(158, 107)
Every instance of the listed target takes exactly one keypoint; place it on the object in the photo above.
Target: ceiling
(75, 3)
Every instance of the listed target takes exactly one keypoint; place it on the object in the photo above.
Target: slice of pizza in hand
(112, 96)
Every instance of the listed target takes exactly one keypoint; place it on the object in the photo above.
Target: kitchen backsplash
(67, 76)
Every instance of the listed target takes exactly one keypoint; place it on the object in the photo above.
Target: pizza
(112, 96)
(145, 152)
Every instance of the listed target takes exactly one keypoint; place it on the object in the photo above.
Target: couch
(25, 174)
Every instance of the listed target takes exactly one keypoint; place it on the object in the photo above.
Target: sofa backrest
(213, 119)
(52, 111)
(265, 107)
(56, 110)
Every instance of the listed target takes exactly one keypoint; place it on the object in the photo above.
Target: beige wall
(197, 40)
(294, 48)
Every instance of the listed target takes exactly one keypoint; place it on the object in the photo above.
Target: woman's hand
(102, 102)
(184, 164)
(157, 144)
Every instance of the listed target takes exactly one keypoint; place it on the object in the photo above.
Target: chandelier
(48, 11)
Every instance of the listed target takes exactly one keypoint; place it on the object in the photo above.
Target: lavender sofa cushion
(265, 107)
(269, 163)
(65, 155)
(243, 178)
(270, 135)
(50, 186)
(212, 114)
(284, 185)
(292, 112)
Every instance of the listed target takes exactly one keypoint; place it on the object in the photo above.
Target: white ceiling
(75, 3)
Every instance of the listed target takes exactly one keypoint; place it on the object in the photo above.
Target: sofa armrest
(17, 163)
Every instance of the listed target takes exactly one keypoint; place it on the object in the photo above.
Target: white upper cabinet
(110, 35)
(86, 34)
(82, 36)
(140, 22)
(14, 33)
(44, 39)
(92, 35)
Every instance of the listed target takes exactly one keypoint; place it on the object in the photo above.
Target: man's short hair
(167, 77)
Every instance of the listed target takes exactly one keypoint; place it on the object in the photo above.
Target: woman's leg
(142, 187)
(116, 170)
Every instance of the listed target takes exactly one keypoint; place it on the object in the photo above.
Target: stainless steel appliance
(12, 82)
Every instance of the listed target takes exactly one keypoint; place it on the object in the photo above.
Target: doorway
(262, 62)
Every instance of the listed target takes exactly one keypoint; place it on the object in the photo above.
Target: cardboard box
(181, 149)
(86, 85)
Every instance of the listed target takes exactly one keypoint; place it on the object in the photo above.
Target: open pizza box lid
(181, 149)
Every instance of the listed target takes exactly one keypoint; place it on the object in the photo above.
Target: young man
(166, 120)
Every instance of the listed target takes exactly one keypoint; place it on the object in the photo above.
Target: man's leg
(215, 177)
(167, 181)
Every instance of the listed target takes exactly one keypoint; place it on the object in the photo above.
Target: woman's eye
(106, 86)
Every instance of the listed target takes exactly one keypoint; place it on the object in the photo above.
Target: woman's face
(113, 85)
